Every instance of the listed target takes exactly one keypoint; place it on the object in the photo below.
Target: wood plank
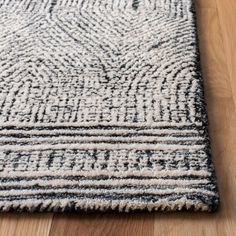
(213, 59)
(205, 4)
(104, 224)
(227, 15)
(16, 224)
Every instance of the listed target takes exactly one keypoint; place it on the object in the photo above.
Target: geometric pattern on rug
(102, 107)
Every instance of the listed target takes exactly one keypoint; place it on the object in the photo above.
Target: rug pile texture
(102, 107)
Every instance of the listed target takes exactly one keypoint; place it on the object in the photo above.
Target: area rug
(102, 107)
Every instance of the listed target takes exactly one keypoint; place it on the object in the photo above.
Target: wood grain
(227, 17)
(217, 34)
(25, 224)
(99, 224)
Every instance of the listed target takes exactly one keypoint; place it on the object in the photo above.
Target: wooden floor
(217, 32)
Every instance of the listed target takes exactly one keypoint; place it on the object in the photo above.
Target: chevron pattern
(102, 107)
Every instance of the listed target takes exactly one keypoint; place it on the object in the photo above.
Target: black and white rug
(102, 107)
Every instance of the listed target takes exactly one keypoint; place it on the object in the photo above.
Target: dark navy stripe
(32, 143)
(208, 186)
(102, 177)
(103, 127)
(176, 135)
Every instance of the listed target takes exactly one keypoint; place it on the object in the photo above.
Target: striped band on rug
(41, 161)
(102, 107)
